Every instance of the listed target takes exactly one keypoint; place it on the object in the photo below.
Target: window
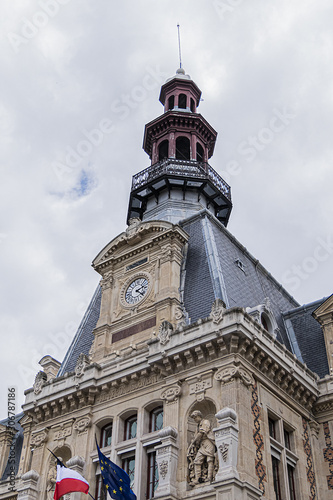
(182, 148)
(192, 105)
(272, 430)
(276, 478)
(106, 435)
(128, 464)
(163, 150)
(284, 459)
(286, 439)
(100, 489)
(156, 419)
(291, 482)
(152, 477)
(182, 101)
(171, 102)
(200, 152)
(130, 427)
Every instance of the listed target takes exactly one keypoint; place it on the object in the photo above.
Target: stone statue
(51, 479)
(201, 452)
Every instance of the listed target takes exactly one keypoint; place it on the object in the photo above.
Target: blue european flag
(117, 482)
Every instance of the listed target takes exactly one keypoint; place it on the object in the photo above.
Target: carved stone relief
(217, 311)
(38, 438)
(228, 374)
(82, 424)
(171, 394)
(40, 380)
(164, 332)
(81, 363)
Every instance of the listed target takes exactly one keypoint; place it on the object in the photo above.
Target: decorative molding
(81, 425)
(39, 383)
(217, 311)
(163, 468)
(171, 394)
(260, 468)
(328, 454)
(120, 389)
(164, 332)
(310, 472)
(82, 362)
(229, 373)
(224, 449)
(38, 438)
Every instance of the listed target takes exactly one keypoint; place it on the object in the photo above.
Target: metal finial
(180, 54)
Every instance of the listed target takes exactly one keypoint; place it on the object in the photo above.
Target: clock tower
(141, 269)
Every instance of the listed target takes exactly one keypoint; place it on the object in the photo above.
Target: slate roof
(17, 443)
(309, 336)
(246, 284)
(219, 266)
(84, 336)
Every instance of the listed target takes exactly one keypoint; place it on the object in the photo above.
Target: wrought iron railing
(182, 168)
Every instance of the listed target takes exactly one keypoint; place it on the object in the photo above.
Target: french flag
(69, 481)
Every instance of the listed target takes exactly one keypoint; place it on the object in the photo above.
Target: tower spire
(180, 54)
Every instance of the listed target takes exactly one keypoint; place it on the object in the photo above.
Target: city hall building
(198, 373)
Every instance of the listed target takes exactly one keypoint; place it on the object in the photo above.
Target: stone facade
(216, 408)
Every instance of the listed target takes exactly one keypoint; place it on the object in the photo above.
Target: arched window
(182, 148)
(192, 105)
(182, 101)
(171, 102)
(106, 435)
(163, 150)
(200, 152)
(156, 419)
(130, 427)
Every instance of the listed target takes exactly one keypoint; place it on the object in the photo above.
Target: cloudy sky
(79, 80)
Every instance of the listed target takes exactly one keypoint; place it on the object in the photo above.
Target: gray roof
(16, 444)
(218, 266)
(309, 336)
(84, 336)
(244, 282)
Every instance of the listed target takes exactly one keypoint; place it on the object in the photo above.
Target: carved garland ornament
(225, 375)
(164, 465)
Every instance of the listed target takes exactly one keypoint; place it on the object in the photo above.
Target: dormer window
(182, 101)
(264, 316)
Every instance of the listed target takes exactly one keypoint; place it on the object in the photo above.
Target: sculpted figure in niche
(51, 479)
(201, 452)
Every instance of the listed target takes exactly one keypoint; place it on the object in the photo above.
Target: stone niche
(201, 469)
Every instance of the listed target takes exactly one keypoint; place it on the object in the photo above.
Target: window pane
(276, 479)
(130, 427)
(129, 466)
(287, 439)
(156, 419)
(106, 436)
(271, 425)
(152, 479)
(100, 489)
(291, 483)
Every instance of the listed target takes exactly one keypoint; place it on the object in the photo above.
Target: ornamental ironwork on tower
(180, 142)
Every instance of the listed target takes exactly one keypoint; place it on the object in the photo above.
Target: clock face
(136, 291)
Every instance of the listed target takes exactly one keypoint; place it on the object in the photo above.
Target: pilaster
(167, 461)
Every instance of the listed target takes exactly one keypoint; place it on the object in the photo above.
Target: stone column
(226, 441)
(167, 461)
(28, 486)
(77, 464)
